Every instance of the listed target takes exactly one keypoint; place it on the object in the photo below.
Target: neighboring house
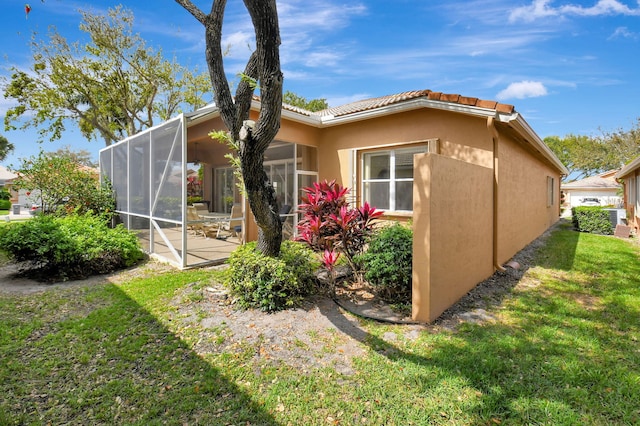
(27, 199)
(476, 181)
(629, 175)
(6, 182)
(602, 190)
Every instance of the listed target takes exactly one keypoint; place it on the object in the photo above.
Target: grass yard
(564, 350)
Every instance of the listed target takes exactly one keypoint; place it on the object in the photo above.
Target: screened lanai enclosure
(176, 189)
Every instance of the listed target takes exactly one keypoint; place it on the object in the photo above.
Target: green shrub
(193, 199)
(4, 194)
(267, 283)
(387, 263)
(592, 219)
(5, 204)
(70, 247)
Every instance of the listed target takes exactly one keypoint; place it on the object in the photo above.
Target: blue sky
(568, 66)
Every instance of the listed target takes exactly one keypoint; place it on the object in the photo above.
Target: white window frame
(391, 180)
(632, 190)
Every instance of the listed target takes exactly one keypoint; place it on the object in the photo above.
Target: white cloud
(297, 15)
(602, 7)
(623, 32)
(523, 89)
(537, 9)
(322, 59)
(543, 9)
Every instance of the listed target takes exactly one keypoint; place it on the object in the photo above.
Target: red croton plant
(329, 226)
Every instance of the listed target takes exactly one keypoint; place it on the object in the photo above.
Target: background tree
(82, 156)
(112, 87)
(302, 102)
(251, 139)
(622, 146)
(63, 186)
(5, 147)
(586, 156)
(582, 155)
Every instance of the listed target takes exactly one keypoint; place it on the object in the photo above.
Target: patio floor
(201, 251)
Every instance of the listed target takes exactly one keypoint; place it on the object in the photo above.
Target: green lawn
(565, 350)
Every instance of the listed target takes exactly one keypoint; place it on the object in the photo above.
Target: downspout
(495, 138)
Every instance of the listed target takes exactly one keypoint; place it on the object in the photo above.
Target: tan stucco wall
(523, 213)
(453, 228)
(462, 137)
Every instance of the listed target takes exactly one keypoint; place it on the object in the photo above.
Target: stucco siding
(294, 132)
(523, 211)
(460, 137)
(453, 228)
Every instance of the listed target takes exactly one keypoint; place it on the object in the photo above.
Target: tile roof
(5, 174)
(379, 102)
(604, 180)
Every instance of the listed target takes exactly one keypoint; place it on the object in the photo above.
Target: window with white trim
(387, 178)
(550, 191)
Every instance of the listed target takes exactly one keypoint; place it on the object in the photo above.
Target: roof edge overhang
(202, 114)
(628, 169)
(520, 125)
(513, 119)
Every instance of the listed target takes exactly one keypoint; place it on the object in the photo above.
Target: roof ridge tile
(386, 100)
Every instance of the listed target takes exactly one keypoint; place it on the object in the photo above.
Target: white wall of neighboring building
(26, 201)
(606, 197)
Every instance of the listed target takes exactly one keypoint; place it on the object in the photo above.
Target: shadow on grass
(101, 358)
(561, 355)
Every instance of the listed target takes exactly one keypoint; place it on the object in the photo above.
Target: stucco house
(603, 187)
(6, 182)
(629, 175)
(474, 178)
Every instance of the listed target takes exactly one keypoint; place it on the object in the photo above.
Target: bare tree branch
(193, 9)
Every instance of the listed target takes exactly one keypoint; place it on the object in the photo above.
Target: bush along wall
(594, 220)
(388, 263)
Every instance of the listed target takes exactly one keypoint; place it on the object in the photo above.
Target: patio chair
(287, 221)
(234, 225)
(197, 225)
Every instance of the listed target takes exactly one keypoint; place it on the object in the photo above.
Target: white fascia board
(203, 114)
(628, 168)
(313, 120)
(525, 130)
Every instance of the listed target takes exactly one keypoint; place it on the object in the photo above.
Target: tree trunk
(253, 138)
(260, 194)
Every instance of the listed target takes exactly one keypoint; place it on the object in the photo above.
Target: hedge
(594, 220)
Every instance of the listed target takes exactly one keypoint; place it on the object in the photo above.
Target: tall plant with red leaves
(330, 225)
